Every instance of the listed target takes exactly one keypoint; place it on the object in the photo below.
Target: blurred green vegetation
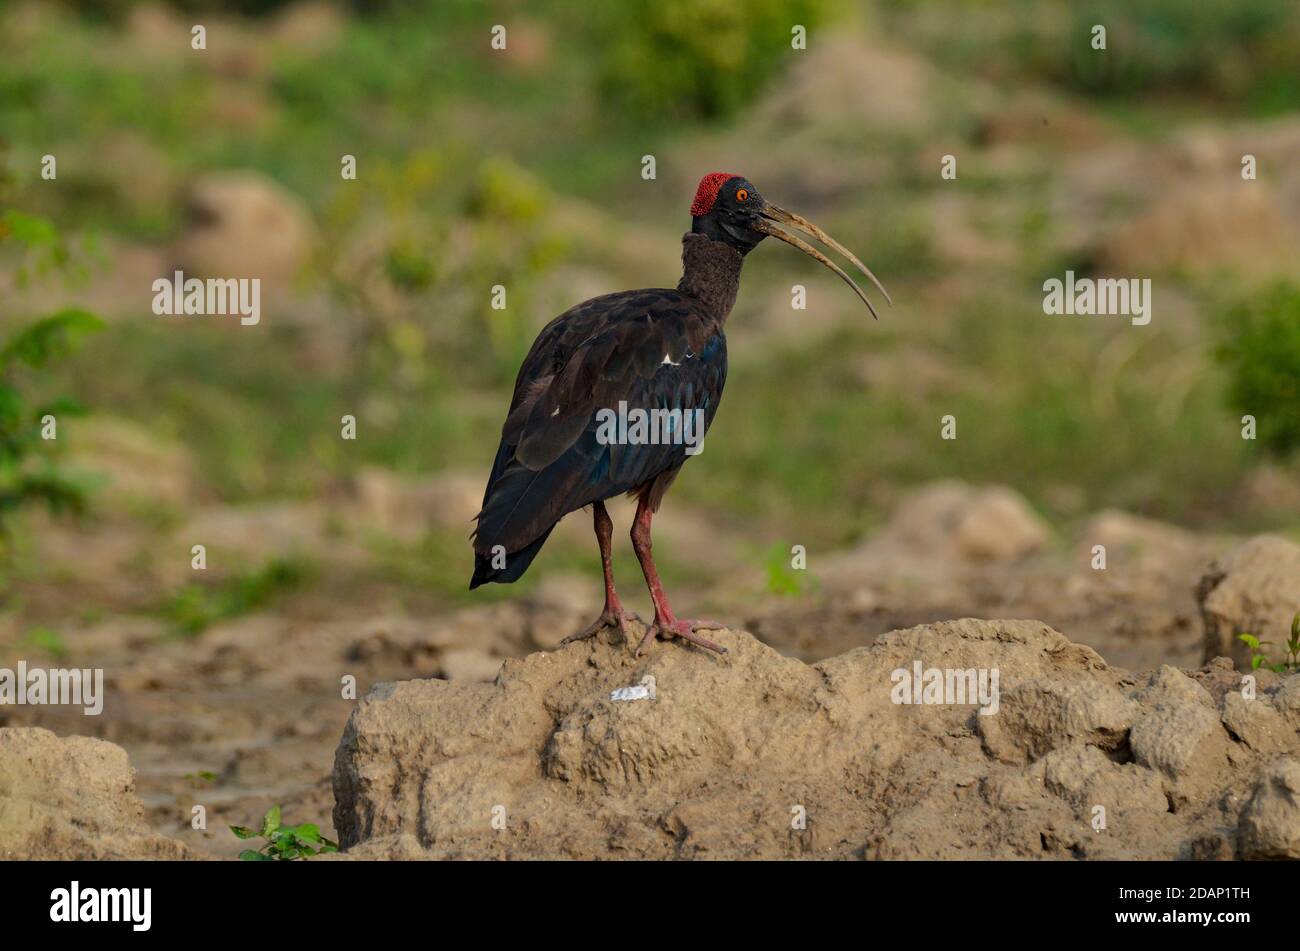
(45, 640)
(783, 578)
(1045, 414)
(1261, 349)
(697, 59)
(197, 607)
(1239, 53)
(524, 171)
(30, 416)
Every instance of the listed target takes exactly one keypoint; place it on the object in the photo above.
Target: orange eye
(742, 194)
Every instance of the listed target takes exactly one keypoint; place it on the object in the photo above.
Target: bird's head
(728, 208)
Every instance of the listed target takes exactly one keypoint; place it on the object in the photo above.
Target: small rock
(1178, 723)
(1287, 700)
(1269, 827)
(993, 523)
(1169, 686)
(1207, 224)
(1254, 589)
(1210, 848)
(1086, 777)
(72, 798)
(1256, 723)
(244, 225)
(1037, 717)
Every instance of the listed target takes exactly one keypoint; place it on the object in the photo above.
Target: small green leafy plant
(28, 472)
(284, 843)
(1259, 657)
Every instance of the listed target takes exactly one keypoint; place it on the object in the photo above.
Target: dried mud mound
(762, 756)
(72, 798)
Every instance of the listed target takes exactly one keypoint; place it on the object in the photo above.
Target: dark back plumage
(651, 349)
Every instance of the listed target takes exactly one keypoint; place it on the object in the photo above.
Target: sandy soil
(250, 714)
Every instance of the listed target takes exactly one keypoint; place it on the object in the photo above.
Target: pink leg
(666, 623)
(613, 615)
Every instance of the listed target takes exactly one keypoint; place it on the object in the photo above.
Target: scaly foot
(684, 629)
(610, 617)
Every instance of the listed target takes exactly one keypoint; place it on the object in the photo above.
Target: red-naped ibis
(571, 437)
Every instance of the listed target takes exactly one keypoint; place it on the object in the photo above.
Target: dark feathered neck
(710, 273)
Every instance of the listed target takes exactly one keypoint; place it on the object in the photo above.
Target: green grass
(1229, 53)
(196, 607)
(46, 640)
(1034, 408)
(1261, 351)
(465, 159)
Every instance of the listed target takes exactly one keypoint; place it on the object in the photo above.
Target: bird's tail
(515, 563)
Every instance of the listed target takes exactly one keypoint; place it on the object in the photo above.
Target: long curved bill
(767, 224)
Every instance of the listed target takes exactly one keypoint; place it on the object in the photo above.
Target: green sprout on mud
(1259, 657)
(284, 843)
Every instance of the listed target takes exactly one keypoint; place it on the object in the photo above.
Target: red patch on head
(707, 193)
